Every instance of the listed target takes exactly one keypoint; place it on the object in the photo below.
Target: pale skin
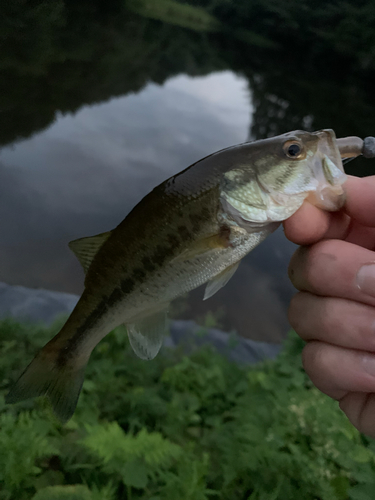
(334, 310)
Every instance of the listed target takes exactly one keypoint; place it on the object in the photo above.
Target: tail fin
(49, 374)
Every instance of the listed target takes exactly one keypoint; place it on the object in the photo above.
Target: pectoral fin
(85, 249)
(220, 280)
(146, 336)
(200, 247)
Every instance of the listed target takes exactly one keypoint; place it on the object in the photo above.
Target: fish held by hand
(192, 229)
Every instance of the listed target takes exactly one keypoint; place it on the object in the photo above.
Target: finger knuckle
(330, 315)
(315, 360)
(319, 261)
(297, 311)
(294, 312)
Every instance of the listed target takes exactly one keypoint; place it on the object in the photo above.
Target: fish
(193, 228)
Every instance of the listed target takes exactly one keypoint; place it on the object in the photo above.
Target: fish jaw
(328, 170)
(324, 169)
(273, 188)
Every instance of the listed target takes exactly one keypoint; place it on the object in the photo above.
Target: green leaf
(361, 454)
(75, 492)
(49, 478)
(362, 491)
(341, 485)
(134, 474)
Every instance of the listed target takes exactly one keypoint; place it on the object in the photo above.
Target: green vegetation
(339, 30)
(171, 12)
(189, 427)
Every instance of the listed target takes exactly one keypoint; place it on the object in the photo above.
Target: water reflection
(97, 108)
(85, 172)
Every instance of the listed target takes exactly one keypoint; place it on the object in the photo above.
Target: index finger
(311, 224)
(360, 200)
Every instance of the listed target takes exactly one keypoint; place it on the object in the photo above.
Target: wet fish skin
(192, 228)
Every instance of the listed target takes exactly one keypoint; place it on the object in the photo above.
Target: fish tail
(57, 372)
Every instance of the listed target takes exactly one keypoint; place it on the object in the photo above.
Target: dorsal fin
(85, 249)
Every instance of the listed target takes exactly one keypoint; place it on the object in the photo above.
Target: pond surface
(88, 131)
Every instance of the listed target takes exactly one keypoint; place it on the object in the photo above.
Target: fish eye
(292, 149)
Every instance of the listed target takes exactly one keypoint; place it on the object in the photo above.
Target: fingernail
(368, 363)
(366, 279)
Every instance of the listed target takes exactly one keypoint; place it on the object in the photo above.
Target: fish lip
(329, 194)
(327, 199)
(328, 146)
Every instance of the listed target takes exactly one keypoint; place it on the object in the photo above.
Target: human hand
(334, 310)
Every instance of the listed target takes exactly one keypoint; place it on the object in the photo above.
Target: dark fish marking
(173, 240)
(205, 213)
(64, 356)
(66, 353)
(198, 216)
(184, 232)
(115, 296)
(159, 256)
(196, 220)
(162, 254)
(127, 285)
(139, 274)
(148, 265)
(94, 315)
(170, 251)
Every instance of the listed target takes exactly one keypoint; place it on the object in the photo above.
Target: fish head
(283, 171)
(308, 164)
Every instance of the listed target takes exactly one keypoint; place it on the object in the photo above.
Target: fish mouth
(328, 170)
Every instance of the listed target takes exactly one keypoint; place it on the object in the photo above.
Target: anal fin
(220, 280)
(146, 335)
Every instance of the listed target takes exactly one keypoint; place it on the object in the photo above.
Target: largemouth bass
(193, 228)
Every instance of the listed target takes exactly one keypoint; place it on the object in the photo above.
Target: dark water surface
(98, 108)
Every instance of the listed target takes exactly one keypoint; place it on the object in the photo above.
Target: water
(92, 124)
